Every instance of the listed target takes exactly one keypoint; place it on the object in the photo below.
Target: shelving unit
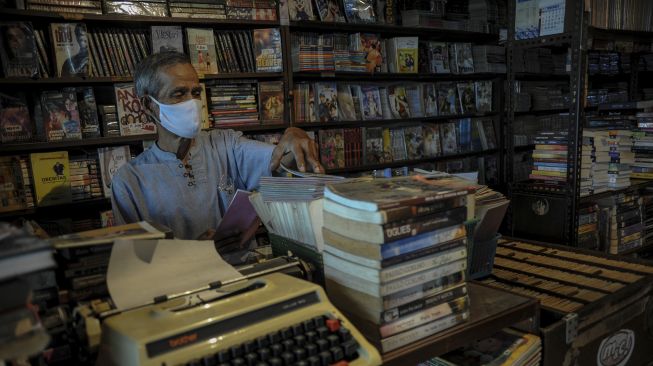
(563, 199)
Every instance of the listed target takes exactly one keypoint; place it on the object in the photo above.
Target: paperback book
(270, 94)
(18, 51)
(167, 38)
(131, 115)
(201, 49)
(70, 44)
(267, 50)
(15, 123)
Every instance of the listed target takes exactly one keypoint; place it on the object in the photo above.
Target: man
(179, 181)
(78, 63)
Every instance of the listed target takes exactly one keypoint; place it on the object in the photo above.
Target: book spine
(409, 268)
(110, 55)
(425, 316)
(421, 241)
(437, 248)
(122, 59)
(99, 54)
(422, 277)
(403, 229)
(402, 339)
(390, 315)
(126, 51)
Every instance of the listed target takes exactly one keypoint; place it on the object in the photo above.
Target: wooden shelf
(529, 76)
(100, 141)
(377, 122)
(344, 75)
(542, 112)
(394, 30)
(254, 128)
(16, 14)
(491, 310)
(127, 79)
(396, 164)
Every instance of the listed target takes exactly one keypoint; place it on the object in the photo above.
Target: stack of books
(55, 6)
(550, 157)
(251, 10)
(489, 58)
(395, 255)
(85, 178)
(647, 216)
(209, 9)
(312, 51)
(613, 148)
(588, 229)
(232, 103)
(642, 167)
(623, 222)
(589, 184)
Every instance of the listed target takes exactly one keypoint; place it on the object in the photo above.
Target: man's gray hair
(146, 75)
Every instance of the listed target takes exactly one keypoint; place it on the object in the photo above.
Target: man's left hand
(303, 149)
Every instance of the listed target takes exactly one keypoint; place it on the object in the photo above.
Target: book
(483, 91)
(60, 115)
(332, 148)
(326, 102)
(397, 145)
(467, 97)
(15, 123)
(88, 117)
(111, 159)
(201, 49)
(18, 52)
(134, 231)
(329, 11)
(270, 95)
(20, 254)
(204, 115)
(449, 138)
(438, 54)
(359, 11)
(267, 50)
(448, 103)
(370, 102)
(371, 45)
(70, 44)
(414, 142)
(131, 114)
(393, 214)
(430, 99)
(396, 230)
(12, 194)
(379, 194)
(300, 10)
(398, 102)
(346, 108)
(406, 54)
(51, 183)
(414, 98)
(166, 38)
(373, 142)
(464, 58)
(431, 136)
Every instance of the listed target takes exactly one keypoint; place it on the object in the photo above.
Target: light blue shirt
(155, 186)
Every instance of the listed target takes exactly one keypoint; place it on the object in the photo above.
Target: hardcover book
(15, 123)
(270, 95)
(300, 10)
(18, 51)
(131, 115)
(326, 102)
(51, 172)
(111, 159)
(201, 48)
(70, 44)
(88, 116)
(60, 115)
(167, 38)
(267, 50)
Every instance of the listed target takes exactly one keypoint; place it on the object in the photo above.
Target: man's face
(83, 42)
(179, 83)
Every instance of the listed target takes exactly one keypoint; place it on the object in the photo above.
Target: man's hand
(303, 149)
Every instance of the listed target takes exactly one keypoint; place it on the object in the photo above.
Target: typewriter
(272, 320)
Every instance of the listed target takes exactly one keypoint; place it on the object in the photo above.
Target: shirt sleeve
(124, 208)
(253, 159)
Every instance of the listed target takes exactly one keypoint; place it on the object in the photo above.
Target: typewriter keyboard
(320, 341)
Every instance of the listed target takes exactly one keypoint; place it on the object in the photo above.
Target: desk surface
(491, 310)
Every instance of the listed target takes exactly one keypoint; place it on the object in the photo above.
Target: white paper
(140, 270)
(552, 17)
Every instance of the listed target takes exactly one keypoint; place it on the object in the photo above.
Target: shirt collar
(168, 156)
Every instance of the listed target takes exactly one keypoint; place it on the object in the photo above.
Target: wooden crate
(596, 309)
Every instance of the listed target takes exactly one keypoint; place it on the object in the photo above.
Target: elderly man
(186, 180)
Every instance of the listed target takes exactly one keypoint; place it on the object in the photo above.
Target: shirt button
(190, 184)
(181, 165)
(185, 174)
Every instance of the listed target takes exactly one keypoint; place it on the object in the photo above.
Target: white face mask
(183, 119)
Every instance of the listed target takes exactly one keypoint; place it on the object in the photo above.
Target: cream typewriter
(272, 320)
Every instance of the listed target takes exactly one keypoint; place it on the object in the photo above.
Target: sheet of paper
(239, 215)
(140, 270)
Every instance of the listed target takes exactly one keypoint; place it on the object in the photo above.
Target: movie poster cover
(18, 50)
(270, 96)
(60, 115)
(267, 49)
(15, 123)
(70, 44)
